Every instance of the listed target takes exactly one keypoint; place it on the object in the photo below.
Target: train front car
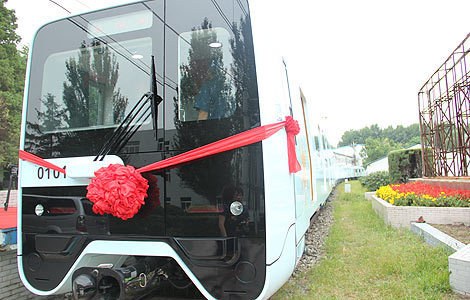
(133, 85)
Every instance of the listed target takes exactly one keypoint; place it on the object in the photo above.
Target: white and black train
(140, 83)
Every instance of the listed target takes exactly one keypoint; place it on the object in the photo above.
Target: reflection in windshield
(205, 177)
(205, 85)
(82, 89)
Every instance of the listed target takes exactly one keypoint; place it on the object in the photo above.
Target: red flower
(118, 190)
(420, 188)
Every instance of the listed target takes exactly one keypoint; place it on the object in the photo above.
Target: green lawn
(365, 259)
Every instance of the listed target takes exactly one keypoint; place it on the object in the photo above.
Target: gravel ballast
(315, 238)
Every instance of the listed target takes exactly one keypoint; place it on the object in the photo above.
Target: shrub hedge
(374, 181)
(404, 164)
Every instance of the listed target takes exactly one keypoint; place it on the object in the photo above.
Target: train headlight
(236, 208)
(39, 210)
(84, 287)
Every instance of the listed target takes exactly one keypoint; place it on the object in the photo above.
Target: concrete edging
(402, 216)
(459, 267)
(434, 237)
(459, 261)
(368, 195)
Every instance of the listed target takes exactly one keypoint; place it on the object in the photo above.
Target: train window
(93, 86)
(88, 207)
(119, 24)
(204, 75)
(87, 84)
(316, 142)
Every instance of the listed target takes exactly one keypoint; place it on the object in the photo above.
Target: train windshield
(94, 86)
(85, 85)
(84, 88)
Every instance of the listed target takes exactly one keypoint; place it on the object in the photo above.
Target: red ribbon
(39, 161)
(236, 141)
(292, 129)
(121, 190)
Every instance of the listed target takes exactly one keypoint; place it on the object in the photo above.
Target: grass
(365, 259)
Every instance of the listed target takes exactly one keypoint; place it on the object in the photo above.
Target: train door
(303, 178)
(324, 166)
(311, 153)
(210, 94)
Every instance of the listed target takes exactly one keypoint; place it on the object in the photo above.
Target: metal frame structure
(444, 117)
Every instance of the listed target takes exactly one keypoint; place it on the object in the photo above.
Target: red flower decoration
(118, 190)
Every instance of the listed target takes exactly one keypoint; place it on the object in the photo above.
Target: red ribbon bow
(292, 129)
(292, 126)
(121, 190)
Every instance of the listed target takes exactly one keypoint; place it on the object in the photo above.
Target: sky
(361, 62)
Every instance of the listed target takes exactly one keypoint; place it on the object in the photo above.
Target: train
(151, 83)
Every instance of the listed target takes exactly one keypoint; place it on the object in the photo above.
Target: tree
(89, 93)
(205, 68)
(243, 69)
(376, 148)
(207, 176)
(408, 136)
(89, 98)
(12, 73)
(204, 63)
(51, 115)
(360, 136)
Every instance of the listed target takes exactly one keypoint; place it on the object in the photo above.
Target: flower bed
(402, 216)
(422, 194)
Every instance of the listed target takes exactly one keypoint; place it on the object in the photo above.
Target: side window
(303, 179)
(288, 87)
(205, 75)
(308, 133)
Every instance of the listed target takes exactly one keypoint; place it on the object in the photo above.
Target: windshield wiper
(135, 118)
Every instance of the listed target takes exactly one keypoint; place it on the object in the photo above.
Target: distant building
(380, 164)
(348, 155)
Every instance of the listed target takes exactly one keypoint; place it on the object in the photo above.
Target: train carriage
(144, 83)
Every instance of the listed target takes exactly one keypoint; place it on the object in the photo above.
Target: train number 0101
(46, 173)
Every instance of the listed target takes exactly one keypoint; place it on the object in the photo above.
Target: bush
(404, 164)
(374, 181)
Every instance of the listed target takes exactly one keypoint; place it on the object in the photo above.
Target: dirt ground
(459, 232)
